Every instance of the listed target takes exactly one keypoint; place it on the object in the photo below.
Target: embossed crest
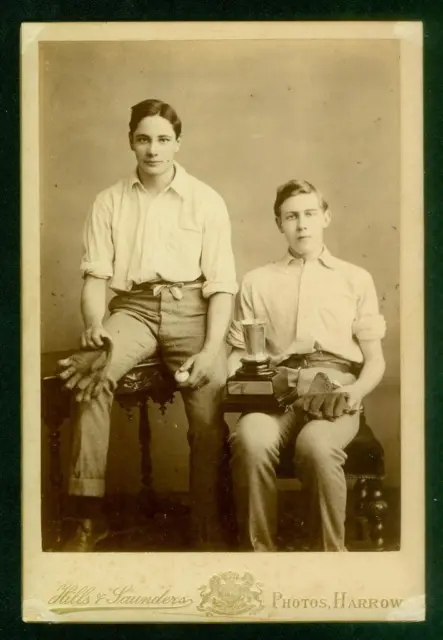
(229, 594)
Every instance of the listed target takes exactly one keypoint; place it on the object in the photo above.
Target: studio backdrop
(255, 114)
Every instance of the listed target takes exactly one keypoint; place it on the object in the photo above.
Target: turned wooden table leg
(377, 508)
(147, 496)
(56, 408)
(361, 493)
(56, 479)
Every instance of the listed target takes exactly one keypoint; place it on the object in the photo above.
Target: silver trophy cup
(251, 386)
(254, 332)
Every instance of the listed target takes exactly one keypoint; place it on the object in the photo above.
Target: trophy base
(250, 404)
(241, 387)
(254, 378)
(251, 388)
(255, 370)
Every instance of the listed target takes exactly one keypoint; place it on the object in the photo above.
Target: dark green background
(12, 13)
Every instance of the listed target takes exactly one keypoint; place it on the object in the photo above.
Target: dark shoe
(88, 534)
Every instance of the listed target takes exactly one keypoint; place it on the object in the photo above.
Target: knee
(315, 448)
(254, 439)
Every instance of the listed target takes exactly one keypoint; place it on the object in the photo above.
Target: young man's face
(155, 145)
(302, 220)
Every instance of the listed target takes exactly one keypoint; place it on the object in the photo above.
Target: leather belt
(315, 360)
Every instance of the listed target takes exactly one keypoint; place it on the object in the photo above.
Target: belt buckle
(302, 364)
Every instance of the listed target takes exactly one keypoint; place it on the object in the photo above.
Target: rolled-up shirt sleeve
(217, 258)
(243, 310)
(98, 248)
(369, 324)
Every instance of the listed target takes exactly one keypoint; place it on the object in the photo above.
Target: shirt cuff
(235, 337)
(96, 269)
(219, 286)
(370, 327)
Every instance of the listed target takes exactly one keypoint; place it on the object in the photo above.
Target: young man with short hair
(161, 240)
(322, 315)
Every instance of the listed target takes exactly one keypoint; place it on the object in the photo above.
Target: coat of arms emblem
(229, 594)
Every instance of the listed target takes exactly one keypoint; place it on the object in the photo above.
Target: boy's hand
(94, 337)
(200, 367)
(354, 395)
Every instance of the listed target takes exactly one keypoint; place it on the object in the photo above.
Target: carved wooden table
(148, 380)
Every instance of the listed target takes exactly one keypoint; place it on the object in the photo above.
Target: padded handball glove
(323, 401)
(86, 370)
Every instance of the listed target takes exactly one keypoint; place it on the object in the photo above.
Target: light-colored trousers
(142, 324)
(319, 456)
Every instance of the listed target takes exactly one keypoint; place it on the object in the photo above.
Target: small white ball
(181, 376)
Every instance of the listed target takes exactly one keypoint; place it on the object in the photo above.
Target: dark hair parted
(154, 108)
(294, 188)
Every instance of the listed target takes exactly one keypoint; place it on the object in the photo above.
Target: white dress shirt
(323, 304)
(180, 235)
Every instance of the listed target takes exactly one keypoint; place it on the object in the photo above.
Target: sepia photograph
(223, 231)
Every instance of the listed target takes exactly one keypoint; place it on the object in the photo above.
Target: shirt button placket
(303, 297)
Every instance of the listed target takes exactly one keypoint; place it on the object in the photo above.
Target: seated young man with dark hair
(161, 240)
(325, 310)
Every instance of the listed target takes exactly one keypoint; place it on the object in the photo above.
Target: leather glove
(86, 371)
(329, 406)
(323, 401)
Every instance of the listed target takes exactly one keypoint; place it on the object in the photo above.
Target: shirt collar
(179, 182)
(326, 258)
